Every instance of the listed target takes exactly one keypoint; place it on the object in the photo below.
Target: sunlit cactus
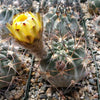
(64, 66)
(64, 62)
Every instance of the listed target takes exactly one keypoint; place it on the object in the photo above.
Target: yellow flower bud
(26, 27)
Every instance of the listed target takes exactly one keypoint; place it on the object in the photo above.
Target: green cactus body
(9, 62)
(57, 19)
(64, 65)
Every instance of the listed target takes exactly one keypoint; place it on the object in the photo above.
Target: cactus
(62, 63)
(94, 7)
(60, 18)
(9, 62)
(57, 16)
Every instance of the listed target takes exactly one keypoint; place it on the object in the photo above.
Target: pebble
(94, 88)
(37, 75)
(49, 92)
(92, 82)
(82, 98)
(43, 87)
(98, 52)
(98, 57)
(95, 95)
(32, 96)
(90, 76)
(19, 94)
(43, 96)
(33, 73)
(32, 80)
(40, 84)
(41, 91)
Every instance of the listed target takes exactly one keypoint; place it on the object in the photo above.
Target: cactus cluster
(9, 62)
(62, 63)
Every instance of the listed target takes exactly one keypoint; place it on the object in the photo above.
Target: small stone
(33, 73)
(41, 91)
(82, 98)
(90, 76)
(32, 81)
(43, 88)
(49, 92)
(55, 96)
(98, 57)
(43, 96)
(40, 79)
(36, 79)
(89, 89)
(27, 70)
(37, 75)
(32, 96)
(96, 95)
(98, 52)
(18, 94)
(94, 88)
(36, 93)
(37, 88)
(13, 91)
(92, 82)
(29, 94)
(40, 84)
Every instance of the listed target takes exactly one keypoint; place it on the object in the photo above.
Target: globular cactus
(62, 64)
(60, 19)
(94, 7)
(9, 62)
